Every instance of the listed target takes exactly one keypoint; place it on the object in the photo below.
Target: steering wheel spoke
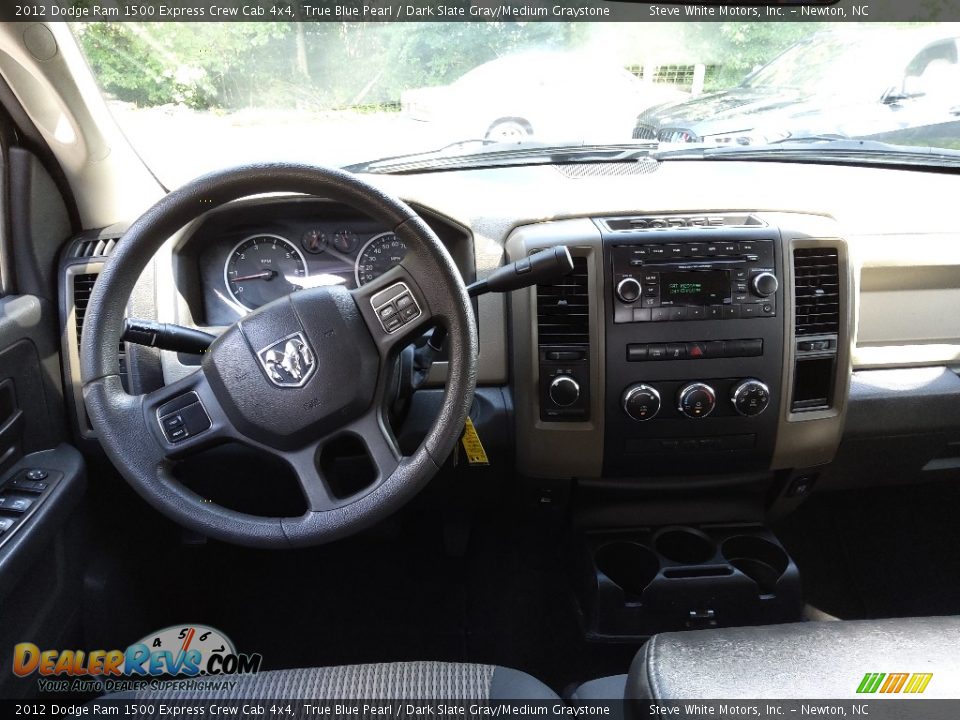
(186, 417)
(394, 307)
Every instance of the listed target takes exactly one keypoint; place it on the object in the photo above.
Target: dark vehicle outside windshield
(898, 85)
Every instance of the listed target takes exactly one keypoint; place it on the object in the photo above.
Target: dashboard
(724, 321)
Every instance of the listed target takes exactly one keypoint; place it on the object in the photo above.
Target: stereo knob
(641, 402)
(764, 284)
(564, 391)
(628, 290)
(696, 400)
(750, 397)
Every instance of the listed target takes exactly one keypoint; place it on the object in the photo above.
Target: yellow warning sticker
(476, 455)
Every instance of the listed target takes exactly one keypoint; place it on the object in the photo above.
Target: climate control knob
(564, 391)
(628, 290)
(641, 402)
(750, 397)
(764, 284)
(696, 400)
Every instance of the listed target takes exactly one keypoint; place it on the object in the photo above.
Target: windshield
(192, 97)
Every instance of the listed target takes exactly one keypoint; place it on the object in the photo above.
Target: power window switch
(5, 524)
(31, 486)
(15, 504)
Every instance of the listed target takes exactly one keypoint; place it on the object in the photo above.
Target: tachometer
(262, 268)
(381, 253)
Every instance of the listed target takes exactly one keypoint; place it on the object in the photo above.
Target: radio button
(641, 252)
(650, 303)
(658, 251)
(711, 250)
(748, 311)
(675, 250)
(641, 314)
(651, 278)
(767, 309)
(678, 313)
(628, 290)
(731, 312)
(748, 247)
(764, 284)
(651, 291)
(729, 249)
(695, 249)
(696, 313)
(740, 275)
(660, 314)
(714, 312)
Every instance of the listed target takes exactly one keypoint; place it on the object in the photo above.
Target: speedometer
(262, 268)
(381, 253)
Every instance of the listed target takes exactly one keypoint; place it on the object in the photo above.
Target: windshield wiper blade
(819, 148)
(508, 154)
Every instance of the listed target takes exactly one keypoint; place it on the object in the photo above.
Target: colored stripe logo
(913, 683)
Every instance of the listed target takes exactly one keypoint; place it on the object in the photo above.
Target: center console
(694, 347)
(683, 348)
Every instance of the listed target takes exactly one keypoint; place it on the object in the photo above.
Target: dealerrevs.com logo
(200, 656)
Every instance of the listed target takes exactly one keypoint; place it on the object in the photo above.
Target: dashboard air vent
(95, 247)
(82, 289)
(563, 308)
(817, 290)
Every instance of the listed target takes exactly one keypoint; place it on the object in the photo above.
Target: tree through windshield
(196, 96)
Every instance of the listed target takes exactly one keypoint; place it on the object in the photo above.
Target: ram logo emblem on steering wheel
(289, 362)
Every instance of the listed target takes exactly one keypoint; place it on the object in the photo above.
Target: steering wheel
(290, 377)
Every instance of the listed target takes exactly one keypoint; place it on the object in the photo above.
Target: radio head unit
(693, 280)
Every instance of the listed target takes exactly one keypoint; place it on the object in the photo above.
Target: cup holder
(684, 545)
(630, 565)
(760, 560)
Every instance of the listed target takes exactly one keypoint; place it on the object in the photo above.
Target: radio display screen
(706, 287)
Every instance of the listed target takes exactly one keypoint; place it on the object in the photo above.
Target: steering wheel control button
(750, 397)
(182, 418)
(36, 474)
(564, 391)
(641, 402)
(696, 400)
(15, 504)
(395, 307)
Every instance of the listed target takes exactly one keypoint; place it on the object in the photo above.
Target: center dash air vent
(817, 290)
(82, 289)
(95, 247)
(563, 308)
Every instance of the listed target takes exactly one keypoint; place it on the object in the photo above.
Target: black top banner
(474, 11)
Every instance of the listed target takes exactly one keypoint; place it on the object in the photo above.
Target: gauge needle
(265, 275)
